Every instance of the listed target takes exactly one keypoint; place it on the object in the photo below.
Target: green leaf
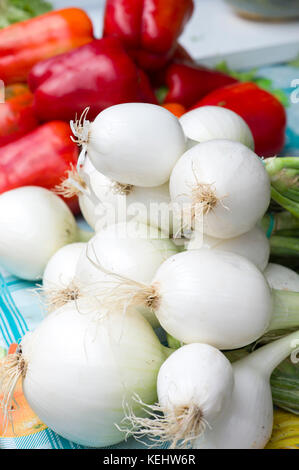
(295, 62)
(252, 76)
(161, 94)
(13, 11)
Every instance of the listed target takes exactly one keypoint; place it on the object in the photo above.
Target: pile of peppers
(53, 68)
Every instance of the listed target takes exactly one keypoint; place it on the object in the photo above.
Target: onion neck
(279, 222)
(284, 246)
(84, 235)
(284, 201)
(285, 310)
(167, 351)
(268, 357)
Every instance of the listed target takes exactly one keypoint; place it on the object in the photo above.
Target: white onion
(135, 143)
(209, 404)
(225, 184)
(128, 202)
(81, 371)
(61, 268)
(280, 277)
(207, 296)
(253, 245)
(196, 373)
(34, 224)
(215, 122)
(127, 250)
(248, 419)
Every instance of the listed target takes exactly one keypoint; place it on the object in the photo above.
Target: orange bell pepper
(175, 108)
(24, 44)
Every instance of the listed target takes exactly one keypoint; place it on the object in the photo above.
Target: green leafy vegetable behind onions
(13, 11)
(252, 76)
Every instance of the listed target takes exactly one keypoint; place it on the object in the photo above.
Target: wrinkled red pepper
(17, 117)
(24, 44)
(263, 113)
(187, 83)
(40, 158)
(148, 28)
(98, 75)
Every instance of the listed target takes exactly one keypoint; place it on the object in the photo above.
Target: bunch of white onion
(105, 295)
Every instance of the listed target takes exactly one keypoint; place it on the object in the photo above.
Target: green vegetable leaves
(13, 11)
(251, 76)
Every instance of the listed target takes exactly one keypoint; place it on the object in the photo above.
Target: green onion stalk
(282, 228)
(13, 11)
(284, 176)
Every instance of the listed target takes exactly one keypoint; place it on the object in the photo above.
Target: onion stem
(284, 246)
(284, 176)
(285, 311)
(84, 235)
(279, 223)
(270, 356)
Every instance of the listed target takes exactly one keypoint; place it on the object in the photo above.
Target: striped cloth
(21, 310)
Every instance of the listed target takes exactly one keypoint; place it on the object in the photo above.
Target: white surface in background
(216, 33)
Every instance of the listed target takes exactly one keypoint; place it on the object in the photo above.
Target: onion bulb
(214, 122)
(104, 202)
(253, 245)
(34, 224)
(210, 296)
(59, 283)
(204, 296)
(133, 143)
(280, 277)
(223, 185)
(209, 404)
(132, 250)
(194, 386)
(81, 368)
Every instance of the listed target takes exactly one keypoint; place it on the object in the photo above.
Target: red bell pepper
(16, 114)
(40, 158)
(187, 83)
(98, 75)
(24, 44)
(148, 28)
(263, 113)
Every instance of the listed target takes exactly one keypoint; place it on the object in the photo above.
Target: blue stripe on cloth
(12, 323)
(7, 333)
(19, 320)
